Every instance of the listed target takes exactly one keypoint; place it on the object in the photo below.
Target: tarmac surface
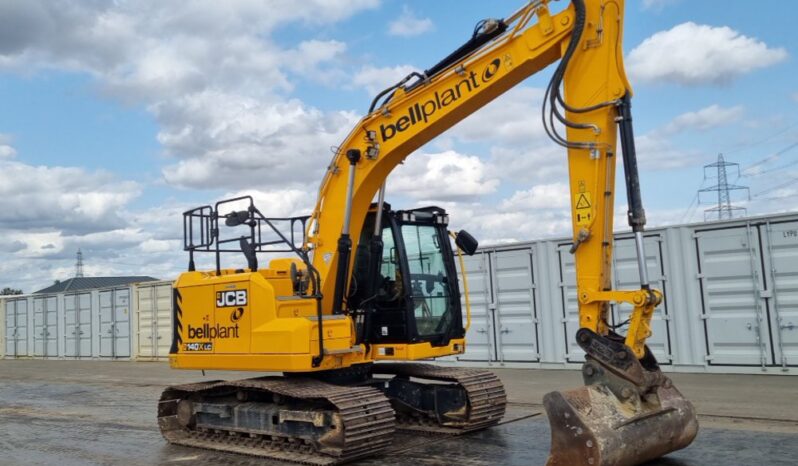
(103, 413)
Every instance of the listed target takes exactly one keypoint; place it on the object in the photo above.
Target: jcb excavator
(370, 289)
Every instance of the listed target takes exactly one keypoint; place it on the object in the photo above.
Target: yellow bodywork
(274, 331)
(278, 331)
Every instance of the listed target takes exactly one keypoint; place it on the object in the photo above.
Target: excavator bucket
(627, 413)
(591, 426)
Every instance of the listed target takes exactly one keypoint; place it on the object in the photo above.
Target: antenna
(724, 210)
(79, 265)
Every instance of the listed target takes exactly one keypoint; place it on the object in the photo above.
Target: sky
(117, 116)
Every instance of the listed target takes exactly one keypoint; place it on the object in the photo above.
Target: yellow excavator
(367, 289)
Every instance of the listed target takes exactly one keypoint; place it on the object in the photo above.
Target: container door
(782, 259)
(84, 325)
(51, 326)
(11, 329)
(39, 327)
(163, 320)
(146, 317)
(71, 326)
(106, 324)
(22, 327)
(570, 306)
(516, 320)
(730, 277)
(122, 323)
(479, 339)
(627, 277)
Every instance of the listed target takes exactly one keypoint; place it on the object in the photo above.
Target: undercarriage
(350, 415)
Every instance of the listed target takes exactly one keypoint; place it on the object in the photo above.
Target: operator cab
(404, 287)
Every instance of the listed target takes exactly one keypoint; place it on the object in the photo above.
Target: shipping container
(731, 304)
(114, 319)
(16, 326)
(45, 326)
(478, 336)
(781, 243)
(625, 276)
(3, 326)
(78, 325)
(154, 318)
(86, 324)
(731, 298)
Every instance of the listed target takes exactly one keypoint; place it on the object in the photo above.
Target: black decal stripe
(177, 325)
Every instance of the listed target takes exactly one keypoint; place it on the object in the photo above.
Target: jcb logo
(231, 298)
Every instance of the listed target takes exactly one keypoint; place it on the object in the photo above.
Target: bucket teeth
(590, 426)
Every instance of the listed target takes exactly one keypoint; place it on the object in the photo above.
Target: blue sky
(118, 116)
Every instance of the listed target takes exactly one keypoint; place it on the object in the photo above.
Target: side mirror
(234, 219)
(467, 243)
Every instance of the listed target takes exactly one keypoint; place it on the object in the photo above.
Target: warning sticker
(583, 209)
(583, 202)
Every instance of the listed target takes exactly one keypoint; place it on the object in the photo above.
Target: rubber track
(487, 400)
(366, 413)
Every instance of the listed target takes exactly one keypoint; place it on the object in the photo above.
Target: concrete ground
(92, 412)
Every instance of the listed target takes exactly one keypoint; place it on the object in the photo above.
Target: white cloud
(375, 79)
(658, 5)
(278, 203)
(147, 242)
(49, 256)
(520, 157)
(694, 54)
(441, 176)
(523, 155)
(318, 61)
(217, 83)
(12, 246)
(65, 198)
(311, 53)
(657, 151)
(6, 150)
(494, 227)
(704, 119)
(158, 245)
(520, 150)
(219, 87)
(513, 118)
(408, 24)
(543, 196)
(537, 163)
(228, 141)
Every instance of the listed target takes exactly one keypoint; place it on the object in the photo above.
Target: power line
(768, 159)
(775, 198)
(687, 213)
(775, 169)
(778, 186)
(761, 141)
